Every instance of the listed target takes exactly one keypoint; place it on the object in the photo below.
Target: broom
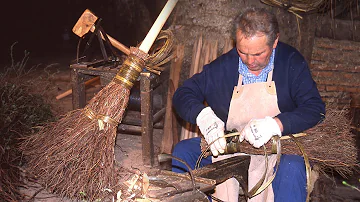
(74, 156)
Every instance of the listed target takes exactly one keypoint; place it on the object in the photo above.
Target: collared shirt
(248, 77)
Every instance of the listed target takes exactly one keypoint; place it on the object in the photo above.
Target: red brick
(348, 76)
(331, 88)
(341, 88)
(321, 87)
(337, 44)
(323, 43)
(324, 82)
(347, 83)
(348, 45)
(335, 67)
(352, 89)
(322, 73)
(347, 68)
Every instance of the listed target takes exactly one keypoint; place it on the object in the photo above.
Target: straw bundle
(305, 6)
(330, 144)
(298, 5)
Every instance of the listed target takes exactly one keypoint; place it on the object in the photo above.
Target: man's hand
(259, 131)
(212, 128)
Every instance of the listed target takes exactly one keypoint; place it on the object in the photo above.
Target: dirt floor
(128, 151)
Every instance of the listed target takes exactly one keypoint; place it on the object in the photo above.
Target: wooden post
(78, 89)
(146, 119)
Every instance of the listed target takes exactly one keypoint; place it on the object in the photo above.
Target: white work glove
(212, 128)
(259, 131)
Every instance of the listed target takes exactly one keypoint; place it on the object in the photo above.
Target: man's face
(254, 51)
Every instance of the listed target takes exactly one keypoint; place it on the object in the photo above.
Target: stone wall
(335, 66)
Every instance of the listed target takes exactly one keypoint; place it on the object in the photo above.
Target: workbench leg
(146, 120)
(78, 89)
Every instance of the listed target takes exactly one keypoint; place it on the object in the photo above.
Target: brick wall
(335, 65)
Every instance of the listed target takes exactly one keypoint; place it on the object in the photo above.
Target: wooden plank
(228, 45)
(186, 128)
(169, 138)
(176, 78)
(214, 51)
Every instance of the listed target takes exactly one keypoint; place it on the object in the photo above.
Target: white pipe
(157, 26)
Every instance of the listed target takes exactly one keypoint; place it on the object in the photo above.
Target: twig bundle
(304, 6)
(329, 144)
(74, 157)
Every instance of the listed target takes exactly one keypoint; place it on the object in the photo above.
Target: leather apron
(250, 101)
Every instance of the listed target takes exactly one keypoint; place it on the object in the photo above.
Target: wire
(162, 157)
(203, 153)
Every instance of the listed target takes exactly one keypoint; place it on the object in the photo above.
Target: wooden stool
(81, 72)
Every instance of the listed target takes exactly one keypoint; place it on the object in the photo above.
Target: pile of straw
(20, 111)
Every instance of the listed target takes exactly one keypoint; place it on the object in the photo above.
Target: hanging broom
(74, 157)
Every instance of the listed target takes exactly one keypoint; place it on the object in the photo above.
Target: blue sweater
(299, 100)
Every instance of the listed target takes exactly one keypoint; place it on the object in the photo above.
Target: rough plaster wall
(307, 34)
(338, 29)
(335, 67)
(213, 19)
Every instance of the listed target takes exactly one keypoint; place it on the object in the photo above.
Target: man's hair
(257, 20)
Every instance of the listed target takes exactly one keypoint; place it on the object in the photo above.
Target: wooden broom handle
(157, 26)
(114, 42)
(68, 92)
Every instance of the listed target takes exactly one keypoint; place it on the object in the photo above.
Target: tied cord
(276, 148)
(131, 68)
(139, 53)
(162, 55)
(101, 118)
(261, 185)
(307, 166)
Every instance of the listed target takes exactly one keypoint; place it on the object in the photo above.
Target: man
(262, 87)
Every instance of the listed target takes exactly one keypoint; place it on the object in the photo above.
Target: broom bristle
(73, 157)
